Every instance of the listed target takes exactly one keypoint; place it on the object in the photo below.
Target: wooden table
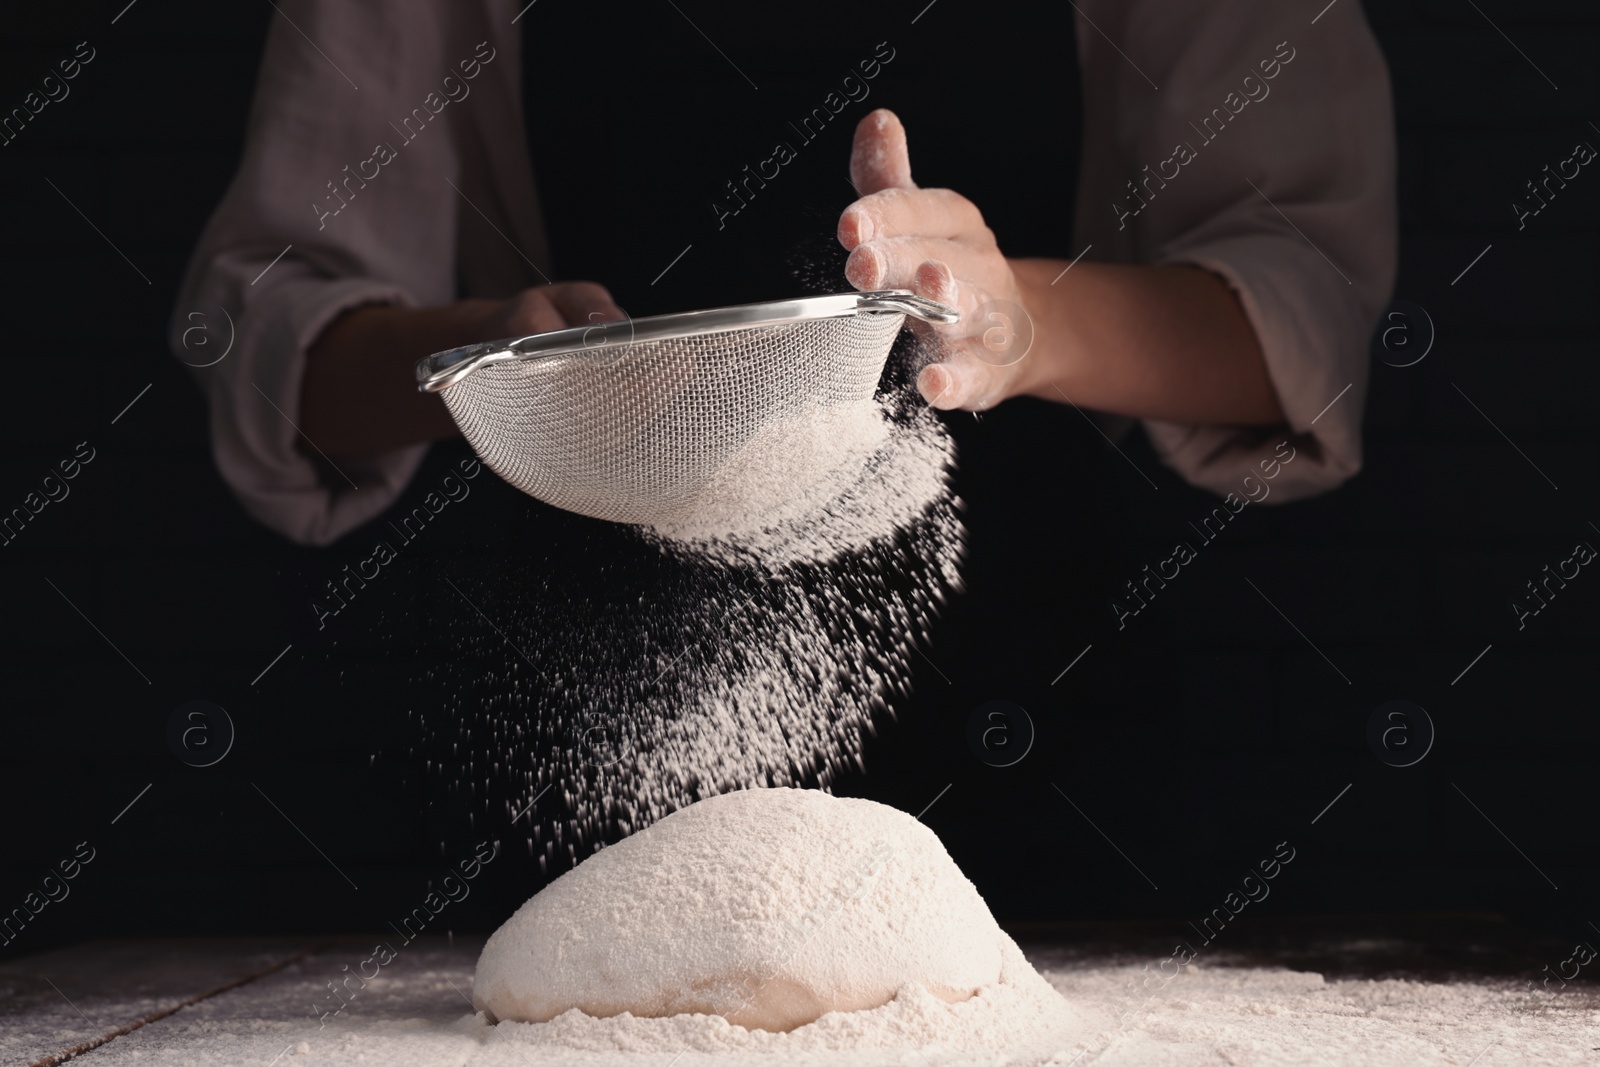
(1390, 986)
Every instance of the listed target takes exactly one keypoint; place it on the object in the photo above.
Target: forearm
(359, 396)
(1169, 343)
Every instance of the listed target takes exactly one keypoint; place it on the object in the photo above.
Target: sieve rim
(444, 369)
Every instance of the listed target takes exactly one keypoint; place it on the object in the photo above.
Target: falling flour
(767, 920)
(629, 672)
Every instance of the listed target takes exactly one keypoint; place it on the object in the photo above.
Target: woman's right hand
(544, 308)
(359, 395)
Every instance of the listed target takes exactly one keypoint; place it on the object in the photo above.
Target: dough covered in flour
(769, 907)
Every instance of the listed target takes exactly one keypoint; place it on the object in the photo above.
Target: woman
(1234, 212)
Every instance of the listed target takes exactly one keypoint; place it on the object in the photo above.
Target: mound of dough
(769, 907)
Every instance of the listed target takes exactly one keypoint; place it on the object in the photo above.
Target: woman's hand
(1165, 342)
(359, 396)
(934, 242)
(542, 309)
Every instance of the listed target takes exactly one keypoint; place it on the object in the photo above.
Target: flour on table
(760, 919)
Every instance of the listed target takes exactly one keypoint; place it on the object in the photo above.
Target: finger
(966, 373)
(914, 213)
(878, 157)
(894, 264)
(532, 311)
(935, 281)
(582, 303)
(964, 376)
(955, 384)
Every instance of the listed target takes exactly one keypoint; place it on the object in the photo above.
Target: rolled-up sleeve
(317, 221)
(277, 474)
(1284, 186)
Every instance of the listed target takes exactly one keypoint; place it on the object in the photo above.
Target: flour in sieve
(816, 485)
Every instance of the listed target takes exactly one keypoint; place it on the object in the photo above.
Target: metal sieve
(629, 421)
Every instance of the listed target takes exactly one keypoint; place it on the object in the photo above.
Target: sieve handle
(908, 304)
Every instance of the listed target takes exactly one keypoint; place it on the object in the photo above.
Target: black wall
(1196, 740)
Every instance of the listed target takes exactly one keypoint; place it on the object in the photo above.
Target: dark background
(1195, 741)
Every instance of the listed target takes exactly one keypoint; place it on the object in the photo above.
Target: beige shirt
(367, 114)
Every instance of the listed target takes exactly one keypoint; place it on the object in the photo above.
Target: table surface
(1441, 993)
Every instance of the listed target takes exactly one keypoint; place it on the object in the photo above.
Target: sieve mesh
(635, 433)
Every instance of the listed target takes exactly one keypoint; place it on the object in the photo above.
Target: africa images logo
(1400, 733)
(200, 733)
(1000, 733)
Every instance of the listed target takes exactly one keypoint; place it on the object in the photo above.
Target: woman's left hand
(934, 243)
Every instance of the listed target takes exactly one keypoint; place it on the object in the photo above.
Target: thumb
(878, 158)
